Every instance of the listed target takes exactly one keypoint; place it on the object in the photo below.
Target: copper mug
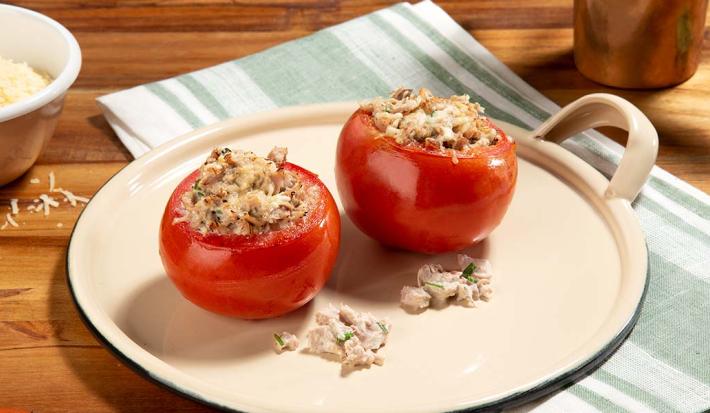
(638, 44)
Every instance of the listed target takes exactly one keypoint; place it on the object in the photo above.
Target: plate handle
(603, 109)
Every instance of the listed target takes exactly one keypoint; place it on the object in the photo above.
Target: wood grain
(49, 361)
(281, 15)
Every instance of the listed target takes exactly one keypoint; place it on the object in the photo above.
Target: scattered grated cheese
(48, 201)
(70, 197)
(44, 202)
(51, 181)
(53, 202)
(12, 222)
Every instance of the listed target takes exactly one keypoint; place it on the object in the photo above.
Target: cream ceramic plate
(569, 260)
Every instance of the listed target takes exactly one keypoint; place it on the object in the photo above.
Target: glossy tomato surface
(418, 200)
(254, 276)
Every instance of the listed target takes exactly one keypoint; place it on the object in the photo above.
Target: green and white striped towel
(665, 364)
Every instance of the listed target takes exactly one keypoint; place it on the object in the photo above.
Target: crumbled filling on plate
(352, 336)
(238, 192)
(446, 125)
(435, 286)
(285, 341)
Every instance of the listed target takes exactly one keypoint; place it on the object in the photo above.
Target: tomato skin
(417, 200)
(255, 276)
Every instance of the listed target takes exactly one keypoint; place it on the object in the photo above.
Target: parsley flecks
(383, 327)
(468, 273)
(279, 340)
(346, 336)
(435, 285)
(470, 278)
(470, 268)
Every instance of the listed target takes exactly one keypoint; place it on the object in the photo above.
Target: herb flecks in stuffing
(446, 125)
(238, 192)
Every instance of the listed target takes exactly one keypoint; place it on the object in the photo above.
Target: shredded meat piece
(353, 336)
(414, 297)
(437, 286)
(322, 340)
(285, 341)
(445, 125)
(278, 155)
(240, 193)
(357, 354)
(483, 267)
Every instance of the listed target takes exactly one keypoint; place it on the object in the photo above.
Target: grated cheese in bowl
(19, 81)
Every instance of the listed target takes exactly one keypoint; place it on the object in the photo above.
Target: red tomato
(419, 200)
(252, 276)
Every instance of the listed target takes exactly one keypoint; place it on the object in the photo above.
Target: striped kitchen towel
(665, 364)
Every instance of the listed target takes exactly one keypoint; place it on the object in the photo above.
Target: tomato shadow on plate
(171, 328)
(88, 373)
(367, 270)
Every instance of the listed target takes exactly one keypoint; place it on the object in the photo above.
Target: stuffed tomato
(250, 237)
(424, 173)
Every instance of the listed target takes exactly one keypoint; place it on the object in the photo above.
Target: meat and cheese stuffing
(435, 286)
(353, 336)
(285, 341)
(238, 192)
(446, 125)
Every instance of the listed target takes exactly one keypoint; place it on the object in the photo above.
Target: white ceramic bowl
(27, 125)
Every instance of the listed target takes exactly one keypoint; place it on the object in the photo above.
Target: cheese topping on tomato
(240, 193)
(435, 123)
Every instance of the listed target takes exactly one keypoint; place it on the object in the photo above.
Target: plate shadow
(160, 320)
(369, 271)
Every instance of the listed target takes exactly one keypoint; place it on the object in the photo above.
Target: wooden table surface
(48, 359)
